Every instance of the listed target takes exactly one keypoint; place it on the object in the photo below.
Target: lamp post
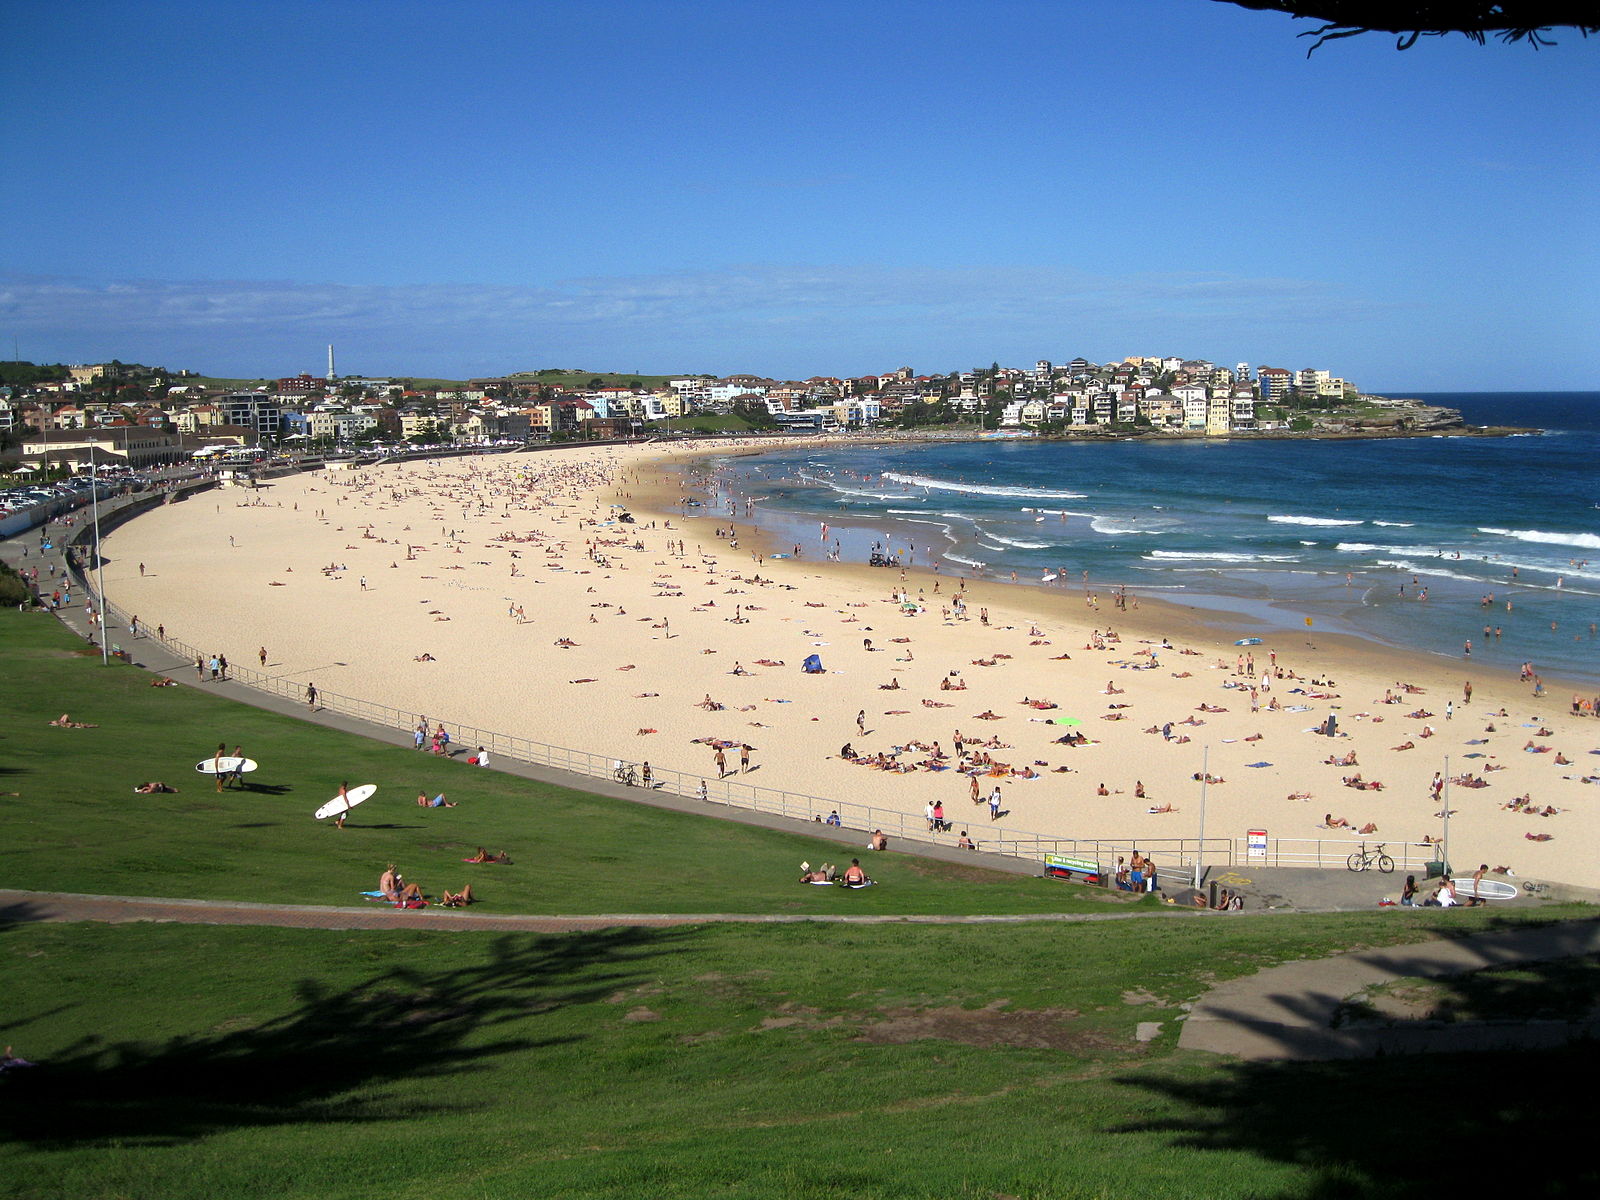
(1200, 849)
(1445, 791)
(99, 566)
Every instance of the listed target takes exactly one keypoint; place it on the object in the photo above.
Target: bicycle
(624, 774)
(1536, 889)
(1364, 859)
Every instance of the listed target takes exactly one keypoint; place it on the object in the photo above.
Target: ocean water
(1401, 541)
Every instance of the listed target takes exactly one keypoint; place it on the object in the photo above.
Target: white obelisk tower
(331, 375)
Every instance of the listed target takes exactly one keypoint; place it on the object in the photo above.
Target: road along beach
(508, 592)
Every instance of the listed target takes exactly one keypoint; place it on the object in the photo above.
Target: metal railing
(1331, 853)
(731, 791)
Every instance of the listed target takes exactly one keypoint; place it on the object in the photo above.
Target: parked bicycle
(1365, 860)
(624, 773)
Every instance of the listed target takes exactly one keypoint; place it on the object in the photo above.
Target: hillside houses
(1170, 394)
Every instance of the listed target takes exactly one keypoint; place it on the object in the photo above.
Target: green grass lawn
(791, 1061)
(76, 825)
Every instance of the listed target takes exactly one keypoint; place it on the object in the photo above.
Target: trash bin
(1437, 868)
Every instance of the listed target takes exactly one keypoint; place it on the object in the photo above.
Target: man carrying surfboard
(1476, 900)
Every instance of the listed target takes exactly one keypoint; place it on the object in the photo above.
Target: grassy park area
(720, 1060)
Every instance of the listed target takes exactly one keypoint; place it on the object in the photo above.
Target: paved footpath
(1289, 1012)
(21, 906)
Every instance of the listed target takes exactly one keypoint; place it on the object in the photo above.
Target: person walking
(262, 655)
(311, 699)
(994, 803)
(744, 756)
(722, 763)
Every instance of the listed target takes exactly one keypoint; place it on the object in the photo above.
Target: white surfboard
(1050, 578)
(341, 804)
(1488, 889)
(226, 765)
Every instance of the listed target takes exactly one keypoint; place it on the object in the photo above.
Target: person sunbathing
(152, 787)
(1406, 746)
(1332, 822)
(66, 722)
(1369, 827)
(458, 899)
(483, 856)
(877, 841)
(163, 682)
(854, 876)
(1162, 808)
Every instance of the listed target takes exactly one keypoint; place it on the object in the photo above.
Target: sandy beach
(499, 591)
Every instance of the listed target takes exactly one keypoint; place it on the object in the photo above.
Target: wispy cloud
(779, 319)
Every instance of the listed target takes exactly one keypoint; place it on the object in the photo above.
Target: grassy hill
(793, 1061)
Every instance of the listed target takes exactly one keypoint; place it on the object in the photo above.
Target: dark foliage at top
(1512, 21)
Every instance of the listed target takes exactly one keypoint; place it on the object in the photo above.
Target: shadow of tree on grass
(1418, 1107)
(398, 1027)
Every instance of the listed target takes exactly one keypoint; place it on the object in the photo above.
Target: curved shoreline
(598, 692)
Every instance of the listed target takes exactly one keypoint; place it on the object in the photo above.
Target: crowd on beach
(593, 598)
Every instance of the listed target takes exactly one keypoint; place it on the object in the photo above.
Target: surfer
(216, 763)
(344, 794)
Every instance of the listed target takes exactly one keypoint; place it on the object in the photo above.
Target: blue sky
(837, 188)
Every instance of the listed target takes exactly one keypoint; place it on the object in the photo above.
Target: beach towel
(1259, 764)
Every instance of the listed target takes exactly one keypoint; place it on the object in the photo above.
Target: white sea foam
(1370, 548)
(1329, 521)
(1396, 524)
(971, 562)
(1020, 545)
(845, 491)
(1206, 556)
(1103, 525)
(1401, 564)
(1583, 541)
(950, 485)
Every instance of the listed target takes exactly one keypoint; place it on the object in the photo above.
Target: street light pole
(1200, 850)
(99, 566)
(1446, 794)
